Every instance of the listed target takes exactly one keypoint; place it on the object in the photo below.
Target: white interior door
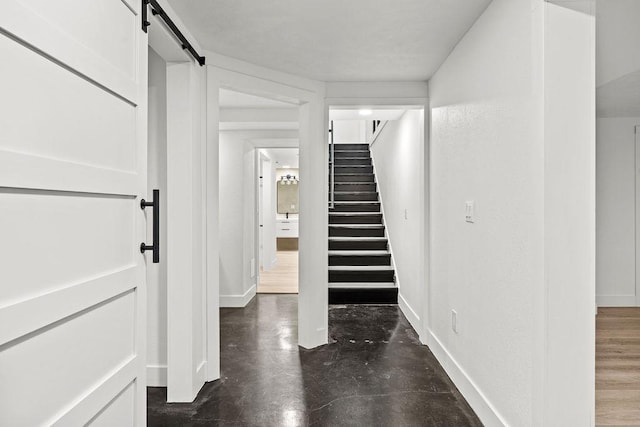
(261, 162)
(72, 172)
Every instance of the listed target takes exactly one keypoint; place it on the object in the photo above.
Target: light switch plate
(469, 214)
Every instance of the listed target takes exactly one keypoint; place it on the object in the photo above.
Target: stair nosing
(353, 173)
(363, 226)
(357, 238)
(359, 253)
(361, 268)
(364, 202)
(354, 182)
(354, 213)
(355, 192)
(363, 285)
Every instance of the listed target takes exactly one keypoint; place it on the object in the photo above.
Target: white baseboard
(238, 300)
(156, 376)
(616, 301)
(478, 401)
(201, 373)
(410, 314)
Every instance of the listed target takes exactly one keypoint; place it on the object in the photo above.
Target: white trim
(265, 88)
(384, 223)
(365, 285)
(227, 73)
(616, 301)
(410, 314)
(212, 229)
(81, 411)
(156, 375)
(263, 73)
(163, 41)
(238, 300)
(377, 133)
(636, 299)
(175, 17)
(474, 396)
(24, 317)
(360, 92)
(21, 170)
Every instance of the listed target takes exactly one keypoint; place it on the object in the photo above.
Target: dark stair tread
(353, 274)
(356, 225)
(353, 214)
(373, 252)
(361, 268)
(388, 295)
(359, 261)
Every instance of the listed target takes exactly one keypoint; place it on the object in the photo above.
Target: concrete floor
(373, 373)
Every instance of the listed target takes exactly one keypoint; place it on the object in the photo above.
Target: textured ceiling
(334, 40)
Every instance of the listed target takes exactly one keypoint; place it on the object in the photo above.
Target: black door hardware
(155, 247)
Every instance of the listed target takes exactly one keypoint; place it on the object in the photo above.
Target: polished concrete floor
(373, 373)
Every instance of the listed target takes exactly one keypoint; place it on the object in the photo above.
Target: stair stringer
(396, 279)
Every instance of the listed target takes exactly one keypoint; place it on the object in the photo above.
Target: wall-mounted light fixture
(288, 180)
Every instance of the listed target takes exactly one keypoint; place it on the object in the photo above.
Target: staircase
(360, 268)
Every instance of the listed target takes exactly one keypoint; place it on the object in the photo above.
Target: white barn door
(73, 90)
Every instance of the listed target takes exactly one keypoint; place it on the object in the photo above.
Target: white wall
(349, 131)
(511, 131)
(616, 222)
(398, 154)
(157, 178)
(617, 39)
(237, 227)
(484, 148)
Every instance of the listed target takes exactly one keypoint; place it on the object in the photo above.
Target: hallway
(374, 372)
(283, 278)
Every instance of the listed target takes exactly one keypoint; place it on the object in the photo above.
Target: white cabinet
(287, 228)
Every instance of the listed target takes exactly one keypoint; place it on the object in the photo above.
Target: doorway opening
(278, 211)
(259, 197)
(617, 213)
(376, 206)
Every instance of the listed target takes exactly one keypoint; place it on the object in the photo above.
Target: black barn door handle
(155, 247)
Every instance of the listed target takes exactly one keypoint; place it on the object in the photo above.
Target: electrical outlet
(469, 208)
(454, 321)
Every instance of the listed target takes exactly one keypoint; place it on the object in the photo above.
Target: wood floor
(283, 278)
(618, 367)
